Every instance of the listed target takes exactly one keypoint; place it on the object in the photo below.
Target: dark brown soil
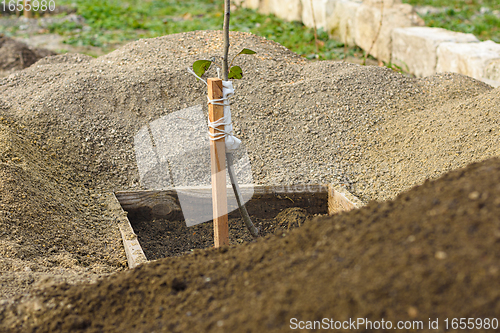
(431, 253)
(162, 238)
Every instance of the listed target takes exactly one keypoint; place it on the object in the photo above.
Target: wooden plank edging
(133, 249)
(151, 198)
(341, 200)
(338, 199)
(165, 202)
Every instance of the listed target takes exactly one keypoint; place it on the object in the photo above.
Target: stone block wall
(342, 25)
(415, 48)
(392, 32)
(369, 27)
(472, 59)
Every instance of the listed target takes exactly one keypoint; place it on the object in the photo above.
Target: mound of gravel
(52, 228)
(369, 128)
(73, 119)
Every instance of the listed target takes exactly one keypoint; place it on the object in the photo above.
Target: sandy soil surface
(67, 125)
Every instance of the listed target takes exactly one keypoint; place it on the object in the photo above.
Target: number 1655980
(471, 323)
(33, 5)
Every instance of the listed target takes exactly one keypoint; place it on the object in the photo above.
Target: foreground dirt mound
(71, 121)
(48, 232)
(431, 253)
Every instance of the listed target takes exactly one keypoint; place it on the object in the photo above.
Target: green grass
(465, 16)
(111, 23)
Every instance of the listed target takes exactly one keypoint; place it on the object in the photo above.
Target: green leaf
(246, 51)
(235, 73)
(201, 66)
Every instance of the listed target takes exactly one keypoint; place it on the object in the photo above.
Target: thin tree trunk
(243, 210)
(229, 156)
(227, 14)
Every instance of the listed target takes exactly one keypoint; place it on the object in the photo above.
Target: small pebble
(474, 195)
(441, 255)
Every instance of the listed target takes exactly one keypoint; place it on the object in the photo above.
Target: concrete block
(250, 4)
(289, 10)
(341, 25)
(415, 48)
(492, 83)
(323, 10)
(265, 7)
(378, 3)
(262, 6)
(477, 60)
(368, 18)
(492, 70)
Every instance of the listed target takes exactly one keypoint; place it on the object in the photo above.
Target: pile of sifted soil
(431, 253)
(52, 228)
(67, 125)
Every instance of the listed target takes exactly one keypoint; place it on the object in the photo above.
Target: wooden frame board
(133, 250)
(266, 202)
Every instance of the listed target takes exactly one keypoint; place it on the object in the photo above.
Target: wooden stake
(218, 166)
